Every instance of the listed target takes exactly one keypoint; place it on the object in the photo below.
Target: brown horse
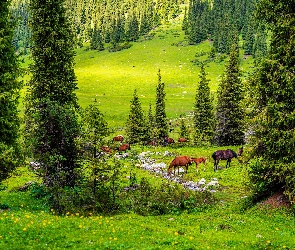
(168, 140)
(106, 149)
(124, 147)
(179, 161)
(153, 143)
(182, 139)
(199, 160)
(227, 155)
(119, 138)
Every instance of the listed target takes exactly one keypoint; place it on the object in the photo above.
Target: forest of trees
(59, 135)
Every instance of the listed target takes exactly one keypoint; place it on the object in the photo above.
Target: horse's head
(240, 151)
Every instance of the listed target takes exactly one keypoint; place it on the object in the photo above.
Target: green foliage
(166, 199)
(204, 119)
(161, 123)
(273, 95)
(9, 93)
(136, 127)
(229, 128)
(52, 141)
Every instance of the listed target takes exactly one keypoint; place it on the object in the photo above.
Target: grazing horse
(227, 155)
(153, 143)
(119, 138)
(240, 151)
(168, 140)
(182, 139)
(124, 147)
(106, 149)
(180, 161)
(199, 160)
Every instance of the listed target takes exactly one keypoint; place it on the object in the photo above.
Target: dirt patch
(277, 200)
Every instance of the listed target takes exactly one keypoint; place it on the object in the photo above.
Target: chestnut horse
(106, 149)
(182, 139)
(199, 160)
(124, 147)
(180, 161)
(119, 138)
(227, 155)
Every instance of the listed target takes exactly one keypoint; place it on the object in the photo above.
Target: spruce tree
(229, 128)
(260, 45)
(9, 94)
(160, 114)
(135, 126)
(249, 40)
(95, 128)
(52, 124)
(274, 91)
(96, 40)
(204, 119)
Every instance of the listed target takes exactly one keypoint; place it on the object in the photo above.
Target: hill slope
(111, 77)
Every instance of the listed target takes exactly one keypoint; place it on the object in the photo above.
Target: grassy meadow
(111, 78)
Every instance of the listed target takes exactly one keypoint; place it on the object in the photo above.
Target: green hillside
(111, 77)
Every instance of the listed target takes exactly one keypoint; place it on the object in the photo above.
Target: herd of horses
(182, 161)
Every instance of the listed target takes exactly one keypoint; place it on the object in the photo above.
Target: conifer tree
(274, 91)
(249, 40)
(95, 127)
(9, 94)
(260, 45)
(183, 130)
(135, 126)
(160, 114)
(96, 41)
(52, 124)
(150, 123)
(204, 119)
(132, 28)
(229, 129)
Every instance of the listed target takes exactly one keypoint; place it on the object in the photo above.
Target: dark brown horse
(240, 151)
(199, 160)
(119, 138)
(153, 143)
(168, 140)
(227, 155)
(180, 161)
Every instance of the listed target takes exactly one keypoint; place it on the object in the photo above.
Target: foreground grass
(29, 224)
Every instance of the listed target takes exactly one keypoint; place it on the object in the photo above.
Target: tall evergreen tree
(96, 40)
(274, 92)
(135, 126)
(161, 123)
(51, 120)
(229, 129)
(260, 45)
(9, 94)
(95, 127)
(132, 27)
(204, 119)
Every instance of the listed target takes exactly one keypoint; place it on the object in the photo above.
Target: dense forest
(61, 137)
(118, 22)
